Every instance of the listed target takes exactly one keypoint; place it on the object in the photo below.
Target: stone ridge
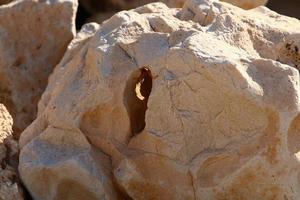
(221, 120)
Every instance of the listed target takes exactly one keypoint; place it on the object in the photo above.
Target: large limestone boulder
(9, 187)
(34, 35)
(156, 103)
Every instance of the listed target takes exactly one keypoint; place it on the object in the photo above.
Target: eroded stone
(221, 119)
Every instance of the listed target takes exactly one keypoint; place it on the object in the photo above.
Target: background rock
(34, 36)
(9, 187)
(156, 103)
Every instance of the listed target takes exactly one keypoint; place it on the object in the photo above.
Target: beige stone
(34, 35)
(157, 103)
(9, 187)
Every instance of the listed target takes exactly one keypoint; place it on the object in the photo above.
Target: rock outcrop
(9, 187)
(156, 103)
(34, 35)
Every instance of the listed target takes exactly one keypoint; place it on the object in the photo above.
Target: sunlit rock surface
(157, 103)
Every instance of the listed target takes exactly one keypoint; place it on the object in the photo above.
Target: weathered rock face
(158, 103)
(9, 188)
(34, 36)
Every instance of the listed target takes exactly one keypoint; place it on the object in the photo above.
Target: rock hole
(136, 94)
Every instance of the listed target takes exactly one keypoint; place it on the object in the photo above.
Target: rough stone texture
(9, 188)
(34, 35)
(5, 123)
(158, 103)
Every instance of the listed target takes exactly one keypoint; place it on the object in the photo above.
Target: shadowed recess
(136, 94)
